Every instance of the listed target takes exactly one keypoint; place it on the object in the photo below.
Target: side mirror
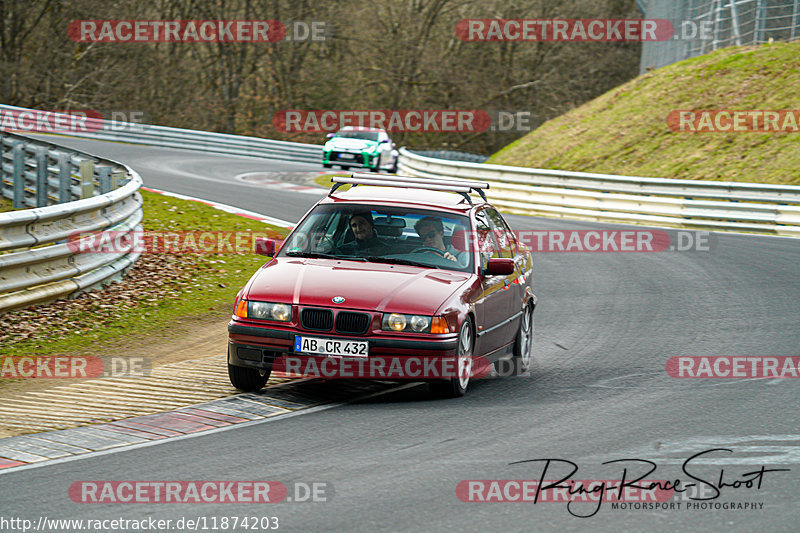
(385, 141)
(265, 246)
(500, 266)
(330, 135)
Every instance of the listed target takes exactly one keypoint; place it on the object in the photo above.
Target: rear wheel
(327, 165)
(457, 385)
(248, 379)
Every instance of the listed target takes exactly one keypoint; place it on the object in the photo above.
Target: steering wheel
(325, 245)
(422, 249)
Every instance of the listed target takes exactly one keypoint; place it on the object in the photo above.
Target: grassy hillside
(625, 130)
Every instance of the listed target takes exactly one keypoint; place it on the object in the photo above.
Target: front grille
(347, 322)
(319, 319)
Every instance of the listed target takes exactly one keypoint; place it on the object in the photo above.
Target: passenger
(366, 241)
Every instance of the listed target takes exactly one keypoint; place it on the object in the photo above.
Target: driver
(431, 231)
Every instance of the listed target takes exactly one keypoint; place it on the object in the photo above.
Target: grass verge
(159, 291)
(625, 131)
(325, 181)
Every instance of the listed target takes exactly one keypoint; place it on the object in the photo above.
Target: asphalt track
(606, 324)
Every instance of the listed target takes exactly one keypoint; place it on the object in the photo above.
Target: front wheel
(457, 385)
(248, 379)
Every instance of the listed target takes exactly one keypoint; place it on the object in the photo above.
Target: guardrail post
(104, 178)
(41, 177)
(87, 178)
(64, 179)
(18, 176)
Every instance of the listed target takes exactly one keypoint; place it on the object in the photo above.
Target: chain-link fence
(705, 25)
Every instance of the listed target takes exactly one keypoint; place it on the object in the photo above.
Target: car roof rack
(461, 186)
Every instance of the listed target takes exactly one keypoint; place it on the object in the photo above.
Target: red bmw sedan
(396, 278)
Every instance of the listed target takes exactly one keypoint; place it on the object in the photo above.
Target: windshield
(366, 135)
(383, 234)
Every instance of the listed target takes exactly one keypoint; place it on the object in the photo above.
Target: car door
(515, 289)
(493, 306)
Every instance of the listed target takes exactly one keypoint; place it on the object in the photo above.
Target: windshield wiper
(397, 261)
(320, 255)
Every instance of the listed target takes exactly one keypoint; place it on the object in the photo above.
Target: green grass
(625, 130)
(5, 204)
(325, 181)
(167, 288)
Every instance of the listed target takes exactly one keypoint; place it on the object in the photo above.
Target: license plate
(320, 346)
(346, 156)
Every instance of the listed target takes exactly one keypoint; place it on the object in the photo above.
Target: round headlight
(419, 323)
(259, 309)
(281, 312)
(397, 322)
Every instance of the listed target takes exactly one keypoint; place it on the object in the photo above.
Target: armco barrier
(726, 206)
(36, 263)
(165, 137)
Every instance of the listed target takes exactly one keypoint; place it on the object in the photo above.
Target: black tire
(393, 170)
(248, 379)
(523, 344)
(457, 386)
(327, 165)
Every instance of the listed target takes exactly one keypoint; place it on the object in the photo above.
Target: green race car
(359, 147)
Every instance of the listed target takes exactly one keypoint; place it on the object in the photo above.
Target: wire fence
(702, 26)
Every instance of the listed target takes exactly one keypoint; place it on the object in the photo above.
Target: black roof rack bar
(461, 186)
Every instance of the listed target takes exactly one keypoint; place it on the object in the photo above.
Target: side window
(505, 238)
(487, 245)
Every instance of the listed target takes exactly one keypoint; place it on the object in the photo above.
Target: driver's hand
(448, 255)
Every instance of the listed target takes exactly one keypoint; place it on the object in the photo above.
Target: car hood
(364, 286)
(355, 145)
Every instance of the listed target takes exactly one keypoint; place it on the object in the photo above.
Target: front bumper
(264, 348)
(363, 160)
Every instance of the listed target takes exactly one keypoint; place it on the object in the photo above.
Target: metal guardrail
(726, 206)
(40, 253)
(166, 137)
(452, 155)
